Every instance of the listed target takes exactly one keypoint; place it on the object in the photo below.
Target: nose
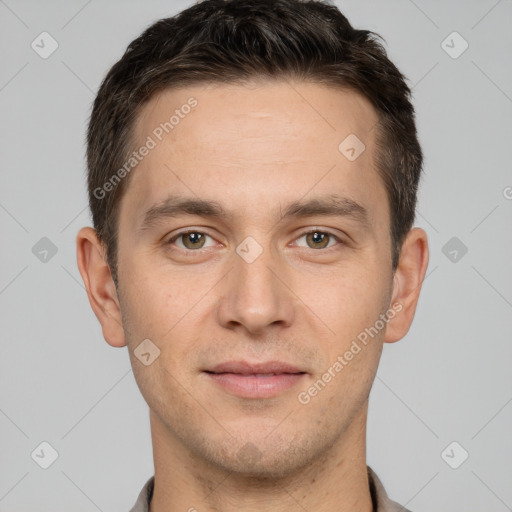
(255, 295)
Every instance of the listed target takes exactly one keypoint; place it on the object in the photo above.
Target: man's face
(251, 286)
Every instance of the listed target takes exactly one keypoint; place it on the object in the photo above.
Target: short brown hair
(231, 41)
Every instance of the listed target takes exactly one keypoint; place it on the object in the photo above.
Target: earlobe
(407, 283)
(99, 285)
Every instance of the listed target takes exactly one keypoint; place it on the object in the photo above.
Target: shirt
(381, 502)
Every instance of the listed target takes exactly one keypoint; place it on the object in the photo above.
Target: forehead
(267, 140)
(256, 108)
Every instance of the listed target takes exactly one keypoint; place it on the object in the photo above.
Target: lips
(245, 368)
(255, 380)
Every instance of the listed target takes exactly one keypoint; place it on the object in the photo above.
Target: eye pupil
(194, 238)
(318, 237)
(314, 239)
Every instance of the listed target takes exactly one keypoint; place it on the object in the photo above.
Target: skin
(255, 148)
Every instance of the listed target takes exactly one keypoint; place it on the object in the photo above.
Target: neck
(336, 481)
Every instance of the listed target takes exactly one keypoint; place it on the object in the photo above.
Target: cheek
(152, 304)
(165, 312)
(351, 352)
(348, 302)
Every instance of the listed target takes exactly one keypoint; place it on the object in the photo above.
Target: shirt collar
(381, 501)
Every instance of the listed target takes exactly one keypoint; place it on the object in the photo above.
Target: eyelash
(327, 249)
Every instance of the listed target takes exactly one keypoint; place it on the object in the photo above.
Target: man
(253, 168)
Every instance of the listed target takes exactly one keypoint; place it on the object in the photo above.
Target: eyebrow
(330, 205)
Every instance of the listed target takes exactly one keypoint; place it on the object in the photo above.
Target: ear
(407, 281)
(101, 290)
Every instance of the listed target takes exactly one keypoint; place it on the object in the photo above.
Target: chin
(263, 460)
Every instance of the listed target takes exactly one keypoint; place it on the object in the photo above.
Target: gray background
(449, 380)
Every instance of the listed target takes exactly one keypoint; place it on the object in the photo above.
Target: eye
(190, 240)
(317, 239)
(195, 240)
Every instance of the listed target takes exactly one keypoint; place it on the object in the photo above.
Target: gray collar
(381, 502)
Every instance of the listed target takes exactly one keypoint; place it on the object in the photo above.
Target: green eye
(317, 239)
(190, 240)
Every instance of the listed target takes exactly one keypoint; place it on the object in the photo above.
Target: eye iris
(318, 237)
(194, 237)
(194, 240)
